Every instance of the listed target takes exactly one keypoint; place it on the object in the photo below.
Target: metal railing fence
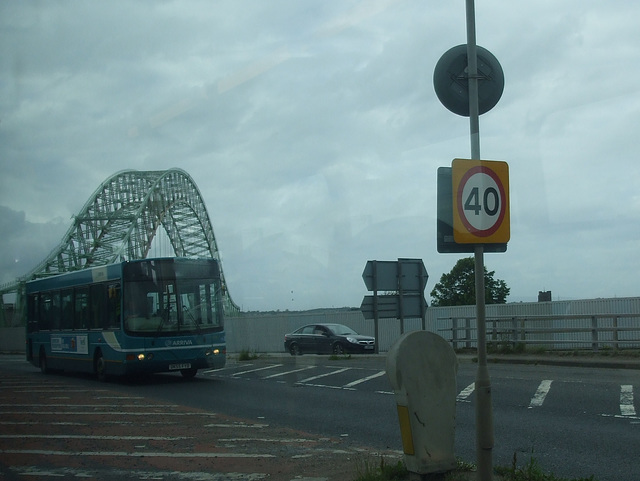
(573, 331)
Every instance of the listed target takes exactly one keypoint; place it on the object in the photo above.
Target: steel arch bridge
(121, 219)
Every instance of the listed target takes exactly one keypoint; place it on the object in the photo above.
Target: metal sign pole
(484, 415)
(423, 305)
(375, 306)
(400, 299)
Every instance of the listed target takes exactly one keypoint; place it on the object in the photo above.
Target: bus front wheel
(99, 364)
(189, 373)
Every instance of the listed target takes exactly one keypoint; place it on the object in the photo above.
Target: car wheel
(294, 350)
(338, 349)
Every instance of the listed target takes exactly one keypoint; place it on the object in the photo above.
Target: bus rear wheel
(44, 368)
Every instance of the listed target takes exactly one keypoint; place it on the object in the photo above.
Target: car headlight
(352, 340)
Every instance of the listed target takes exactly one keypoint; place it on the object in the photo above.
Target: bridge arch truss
(121, 219)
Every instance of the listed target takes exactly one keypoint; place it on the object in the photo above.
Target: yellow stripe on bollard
(405, 430)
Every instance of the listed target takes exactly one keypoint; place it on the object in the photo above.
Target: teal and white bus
(134, 317)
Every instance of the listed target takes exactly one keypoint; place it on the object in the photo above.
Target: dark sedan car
(327, 339)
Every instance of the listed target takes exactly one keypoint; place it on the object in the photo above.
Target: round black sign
(451, 80)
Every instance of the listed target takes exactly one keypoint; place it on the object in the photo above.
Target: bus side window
(32, 313)
(50, 310)
(97, 301)
(81, 317)
(43, 308)
(66, 305)
(56, 312)
(113, 307)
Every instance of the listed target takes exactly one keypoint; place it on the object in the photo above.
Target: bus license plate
(177, 367)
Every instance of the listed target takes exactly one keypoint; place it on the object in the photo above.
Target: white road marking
(626, 400)
(68, 473)
(328, 386)
(141, 454)
(34, 423)
(237, 425)
(121, 398)
(99, 438)
(541, 393)
(167, 406)
(267, 440)
(256, 370)
(228, 367)
(107, 413)
(465, 393)
(365, 379)
(289, 372)
(56, 390)
(313, 378)
(620, 416)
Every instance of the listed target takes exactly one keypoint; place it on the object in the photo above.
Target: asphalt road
(575, 421)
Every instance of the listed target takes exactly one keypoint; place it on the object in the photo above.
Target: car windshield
(340, 330)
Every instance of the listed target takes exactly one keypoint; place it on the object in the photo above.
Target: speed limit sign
(480, 201)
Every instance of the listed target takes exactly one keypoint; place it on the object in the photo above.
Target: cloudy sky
(313, 132)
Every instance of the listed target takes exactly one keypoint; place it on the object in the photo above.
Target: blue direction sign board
(389, 306)
(405, 278)
(381, 275)
(403, 275)
(412, 274)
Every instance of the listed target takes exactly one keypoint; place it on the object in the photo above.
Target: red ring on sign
(481, 169)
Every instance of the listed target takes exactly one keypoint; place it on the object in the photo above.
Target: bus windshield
(158, 301)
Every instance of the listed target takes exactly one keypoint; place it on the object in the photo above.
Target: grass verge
(246, 355)
(368, 470)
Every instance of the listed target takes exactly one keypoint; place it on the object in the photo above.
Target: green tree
(458, 287)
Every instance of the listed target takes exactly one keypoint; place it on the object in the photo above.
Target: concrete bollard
(422, 368)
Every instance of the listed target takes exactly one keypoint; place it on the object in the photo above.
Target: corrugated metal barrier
(578, 324)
